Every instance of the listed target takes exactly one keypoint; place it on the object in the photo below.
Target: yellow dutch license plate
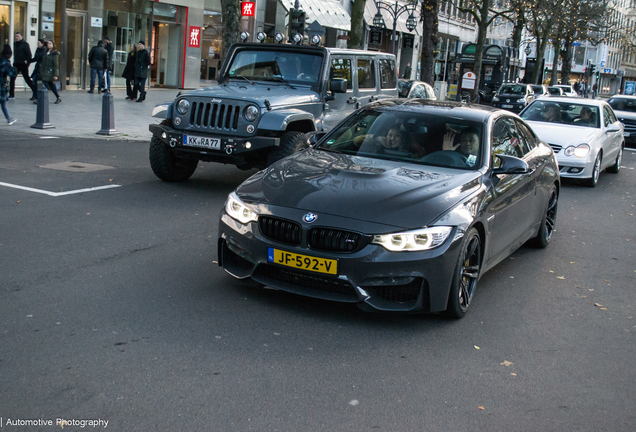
(303, 262)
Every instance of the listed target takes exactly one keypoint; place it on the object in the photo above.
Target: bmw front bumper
(372, 277)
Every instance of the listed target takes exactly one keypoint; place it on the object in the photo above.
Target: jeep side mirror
(338, 85)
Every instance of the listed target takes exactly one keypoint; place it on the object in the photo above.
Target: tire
(290, 143)
(466, 275)
(548, 222)
(596, 172)
(614, 169)
(167, 166)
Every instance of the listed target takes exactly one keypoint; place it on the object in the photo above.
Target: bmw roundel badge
(310, 217)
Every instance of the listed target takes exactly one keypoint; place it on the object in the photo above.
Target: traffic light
(592, 67)
(296, 23)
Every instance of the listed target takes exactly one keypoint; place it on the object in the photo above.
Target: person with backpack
(6, 71)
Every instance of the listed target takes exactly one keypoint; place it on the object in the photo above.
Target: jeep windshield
(276, 66)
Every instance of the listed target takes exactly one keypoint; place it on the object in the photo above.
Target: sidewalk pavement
(80, 114)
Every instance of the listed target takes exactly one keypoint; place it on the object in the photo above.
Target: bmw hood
(406, 196)
(276, 94)
(562, 134)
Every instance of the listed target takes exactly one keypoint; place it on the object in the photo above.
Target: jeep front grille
(214, 115)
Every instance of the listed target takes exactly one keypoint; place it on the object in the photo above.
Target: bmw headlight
(495, 99)
(237, 210)
(250, 113)
(411, 241)
(182, 106)
(579, 151)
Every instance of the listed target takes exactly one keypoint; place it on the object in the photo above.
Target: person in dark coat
(98, 60)
(142, 65)
(129, 73)
(111, 61)
(21, 59)
(6, 70)
(51, 69)
(37, 59)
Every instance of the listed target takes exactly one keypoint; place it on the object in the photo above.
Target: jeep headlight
(182, 106)
(579, 151)
(235, 208)
(250, 113)
(411, 241)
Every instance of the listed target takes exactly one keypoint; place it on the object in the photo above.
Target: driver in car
(468, 145)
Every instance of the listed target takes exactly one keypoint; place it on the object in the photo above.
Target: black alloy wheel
(466, 275)
(548, 223)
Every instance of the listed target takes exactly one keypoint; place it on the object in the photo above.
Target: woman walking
(129, 73)
(51, 69)
(37, 59)
(6, 70)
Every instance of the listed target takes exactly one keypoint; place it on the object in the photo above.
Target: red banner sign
(194, 38)
(248, 8)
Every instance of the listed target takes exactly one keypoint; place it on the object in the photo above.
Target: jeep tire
(290, 143)
(167, 166)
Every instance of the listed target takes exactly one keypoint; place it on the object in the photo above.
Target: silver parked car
(585, 135)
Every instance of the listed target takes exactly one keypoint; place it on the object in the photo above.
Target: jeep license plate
(197, 141)
(506, 106)
(304, 262)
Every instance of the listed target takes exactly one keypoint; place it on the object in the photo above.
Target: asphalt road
(112, 307)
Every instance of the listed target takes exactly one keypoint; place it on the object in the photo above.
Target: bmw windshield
(426, 139)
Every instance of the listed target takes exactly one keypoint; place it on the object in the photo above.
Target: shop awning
(329, 13)
(370, 10)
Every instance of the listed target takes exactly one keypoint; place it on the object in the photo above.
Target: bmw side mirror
(504, 164)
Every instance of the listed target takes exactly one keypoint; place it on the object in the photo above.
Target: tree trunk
(555, 61)
(356, 34)
(482, 30)
(567, 61)
(518, 30)
(231, 23)
(429, 40)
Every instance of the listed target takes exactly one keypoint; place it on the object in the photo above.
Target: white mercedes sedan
(585, 135)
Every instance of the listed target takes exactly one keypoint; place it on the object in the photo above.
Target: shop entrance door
(77, 67)
(164, 69)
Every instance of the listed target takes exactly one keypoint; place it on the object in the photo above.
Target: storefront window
(77, 4)
(19, 23)
(211, 44)
(5, 36)
(126, 23)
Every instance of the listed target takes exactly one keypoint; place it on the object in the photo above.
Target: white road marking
(57, 194)
(48, 137)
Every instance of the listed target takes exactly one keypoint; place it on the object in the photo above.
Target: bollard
(42, 116)
(108, 115)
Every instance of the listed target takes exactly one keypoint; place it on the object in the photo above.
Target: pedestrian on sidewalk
(6, 70)
(141, 70)
(21, 59)
(110, 63)
(37, 59)
(98, 60)
(129, 73)
(594, 89)
(51, 69)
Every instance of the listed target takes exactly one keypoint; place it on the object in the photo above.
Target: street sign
(375, 37)
(315, 29)
(602, 63)
(468, 80)
(607, 71)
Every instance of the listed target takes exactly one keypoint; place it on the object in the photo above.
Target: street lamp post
(395, 11)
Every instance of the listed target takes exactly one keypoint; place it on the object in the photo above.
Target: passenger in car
(586, 118)
(551, 113)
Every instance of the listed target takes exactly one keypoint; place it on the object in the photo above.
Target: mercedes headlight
(235, 208)
(411, 241)
(579, 151)
(250, 113)
(495, 99)
(182, 106)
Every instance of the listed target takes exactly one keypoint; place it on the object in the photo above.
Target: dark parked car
(513, 97)
(625, 109)
(402, 207)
